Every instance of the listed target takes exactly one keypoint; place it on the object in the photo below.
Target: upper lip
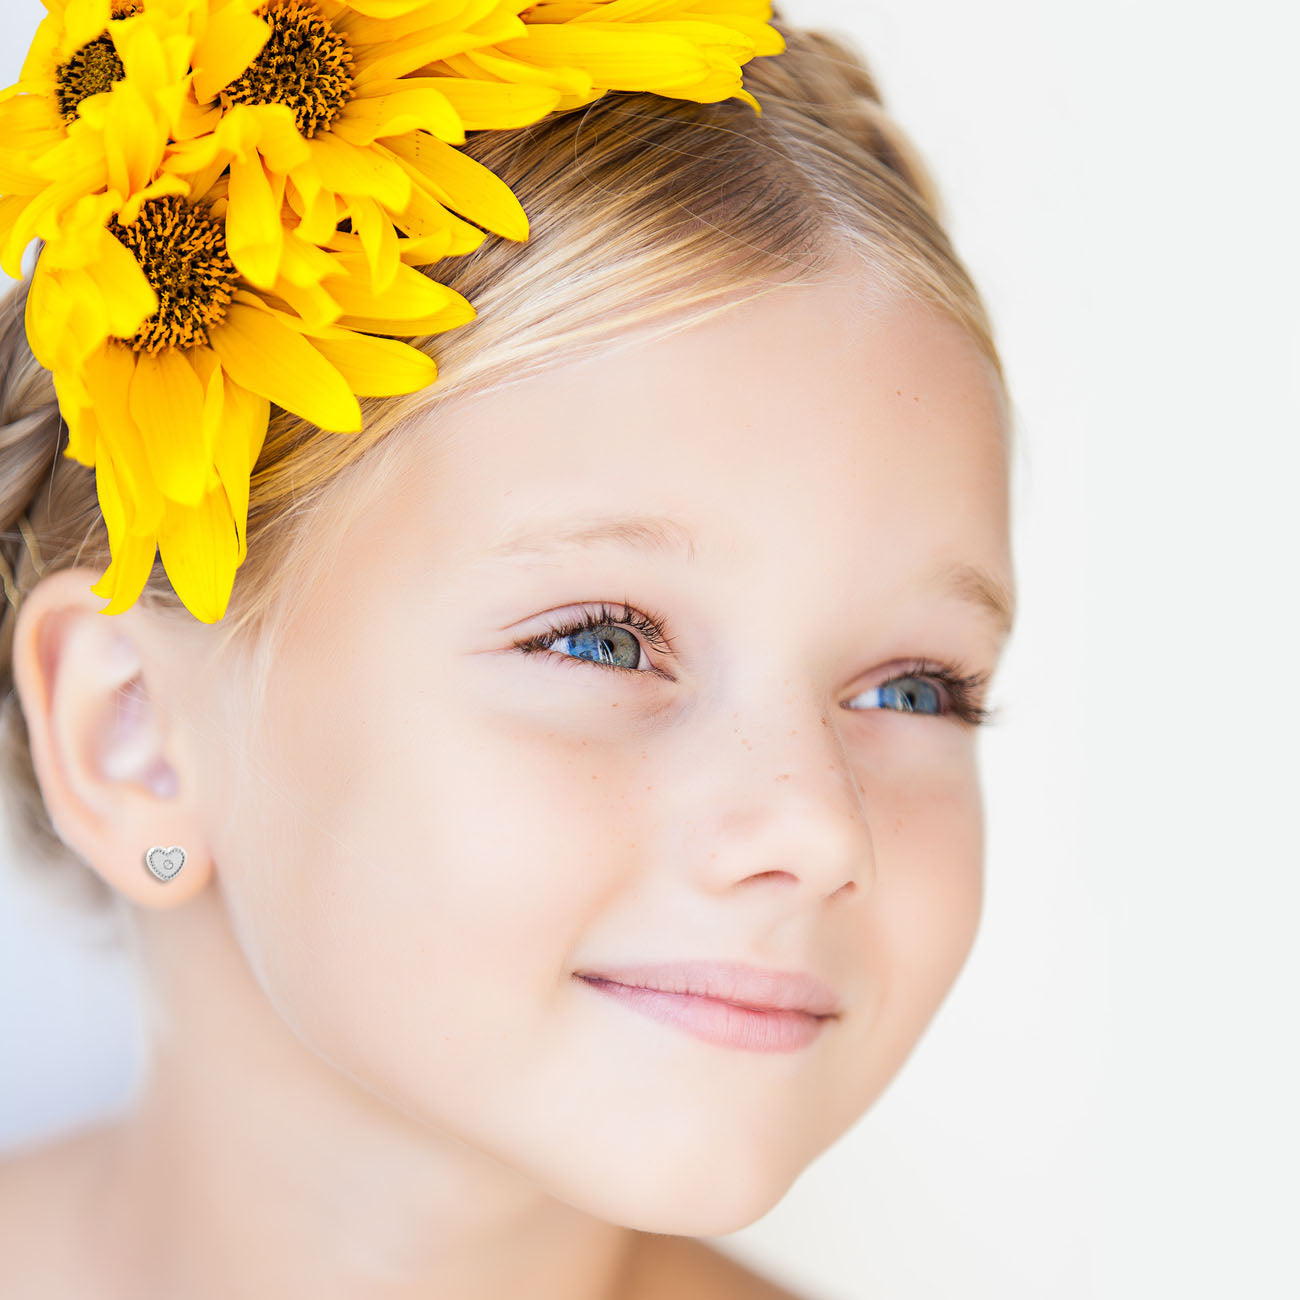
(755, 987)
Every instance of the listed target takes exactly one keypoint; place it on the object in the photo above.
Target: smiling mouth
(712, 1020)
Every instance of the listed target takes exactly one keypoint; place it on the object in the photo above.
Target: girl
(577, 805)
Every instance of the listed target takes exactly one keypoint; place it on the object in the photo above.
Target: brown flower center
(181, 248)
(306, 65)
(93, 68)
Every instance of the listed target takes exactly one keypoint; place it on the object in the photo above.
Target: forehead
(816, 423)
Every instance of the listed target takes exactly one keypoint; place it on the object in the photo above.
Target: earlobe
(110, 775)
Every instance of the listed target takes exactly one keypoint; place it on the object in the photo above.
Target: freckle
(915, 399)
(785, 776)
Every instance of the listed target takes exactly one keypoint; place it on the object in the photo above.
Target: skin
(375, 1072)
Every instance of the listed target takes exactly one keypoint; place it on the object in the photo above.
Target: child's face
(450, 828)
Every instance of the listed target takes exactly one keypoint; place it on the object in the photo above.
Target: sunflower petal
(84, 20)
(132, 552)
(348, 170)
(413, 108)
(239, 443)
(12, 207)
(108, 379)
(474, 63)
(376, 367)
(387, 59)
(266, 356)
(124, 288)
(318, 211)
(425, 218)
(199, 545)
(166, 401)
(379, 241)
(233, 39)
(616, 56)
(451, 317)
(492, 105)
(254, 231)
(461, 183)
(410, 295)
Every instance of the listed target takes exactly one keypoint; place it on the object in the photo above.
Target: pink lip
(729, 1005)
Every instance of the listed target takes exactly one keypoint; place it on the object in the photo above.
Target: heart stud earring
(165, 863)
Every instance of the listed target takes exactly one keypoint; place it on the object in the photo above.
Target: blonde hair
(646, 214)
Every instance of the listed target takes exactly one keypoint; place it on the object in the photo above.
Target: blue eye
(935, 690)
(603, 649)
(914, 695)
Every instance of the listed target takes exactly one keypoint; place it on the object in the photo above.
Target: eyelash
(962, 688)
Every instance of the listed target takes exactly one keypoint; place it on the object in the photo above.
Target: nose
(783, 804)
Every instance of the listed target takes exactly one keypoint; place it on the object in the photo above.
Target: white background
(1104, 1105)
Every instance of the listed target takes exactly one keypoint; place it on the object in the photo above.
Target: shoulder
(685, 1268)
(44, 1190)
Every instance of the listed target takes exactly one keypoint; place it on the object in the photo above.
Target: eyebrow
(663, 534)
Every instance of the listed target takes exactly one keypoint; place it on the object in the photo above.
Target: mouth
(717, 1021)
(756, 988)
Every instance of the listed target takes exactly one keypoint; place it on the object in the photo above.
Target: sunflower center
(182, 251)
(305, 65)
(93, 68)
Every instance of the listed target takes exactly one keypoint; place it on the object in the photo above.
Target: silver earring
(165, 863)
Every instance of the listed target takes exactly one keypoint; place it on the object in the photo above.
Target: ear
(108, 763)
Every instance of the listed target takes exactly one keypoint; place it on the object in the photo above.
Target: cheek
(435, 878)
(930, 877)
(918, 923)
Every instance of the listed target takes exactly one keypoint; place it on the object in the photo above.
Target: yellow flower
(682, 49)
(233, 198)
(101, 91)
(353, 109)
(309, 122)
(167, 382)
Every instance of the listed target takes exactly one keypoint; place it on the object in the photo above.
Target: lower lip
(721, 1023)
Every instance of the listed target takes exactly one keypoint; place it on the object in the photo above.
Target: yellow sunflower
(352, 109)
(167, 390)
(299, 126)
(233, 197)
(101, 91)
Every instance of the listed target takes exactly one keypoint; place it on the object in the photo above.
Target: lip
(727, 1004)
(753, 987)
(723, 1024)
